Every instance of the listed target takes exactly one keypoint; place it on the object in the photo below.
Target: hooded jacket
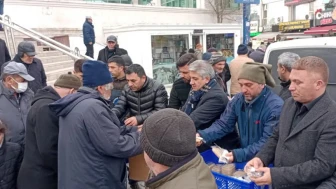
(39, 166)
(105, 53)
(13, 112)
(256, 121)
(88, 33)
(191, 173)
(92, 146)
(10, 160)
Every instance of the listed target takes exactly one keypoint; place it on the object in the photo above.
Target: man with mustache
(256, 110)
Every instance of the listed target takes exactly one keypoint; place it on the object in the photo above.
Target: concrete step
(53, 75)
(54, 59)
(49, 53)
(58, 65)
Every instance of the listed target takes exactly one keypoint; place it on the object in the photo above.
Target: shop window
(179, 3)
(166, 49)
(233, 6)
(144, 2)
(223, 43)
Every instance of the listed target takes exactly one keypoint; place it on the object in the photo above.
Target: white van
(323, 47)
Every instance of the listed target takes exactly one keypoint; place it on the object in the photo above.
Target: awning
(321, 30)
(254, 34)
(266, 36)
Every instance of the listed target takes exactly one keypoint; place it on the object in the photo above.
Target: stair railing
(9, 26)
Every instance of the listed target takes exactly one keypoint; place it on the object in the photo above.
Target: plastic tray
(227, 182)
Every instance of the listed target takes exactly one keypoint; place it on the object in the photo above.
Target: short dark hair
(136, 68)
(2, 127)
(185, 59)
(191, 51)
(78, 65)
(117, 59)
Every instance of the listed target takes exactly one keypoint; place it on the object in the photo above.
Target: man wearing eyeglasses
(111, 49)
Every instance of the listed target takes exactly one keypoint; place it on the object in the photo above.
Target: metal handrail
(9, 25)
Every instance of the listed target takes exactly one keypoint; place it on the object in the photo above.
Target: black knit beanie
(168, 136)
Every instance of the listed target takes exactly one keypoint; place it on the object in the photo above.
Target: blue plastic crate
(227, 182)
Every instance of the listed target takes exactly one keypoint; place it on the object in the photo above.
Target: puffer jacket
(10, 160)
(191, 173)
(141, 104)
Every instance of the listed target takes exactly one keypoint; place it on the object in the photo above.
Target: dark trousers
(89, 50)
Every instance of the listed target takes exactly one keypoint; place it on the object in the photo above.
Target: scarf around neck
(195, 96)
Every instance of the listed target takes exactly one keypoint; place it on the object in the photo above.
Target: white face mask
(22, 87)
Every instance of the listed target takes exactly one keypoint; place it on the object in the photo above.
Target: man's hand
(131, 121)
(198, 140)
(140, 128)
(255, 162)
(266, 179)
(230, 157)
(90, 43)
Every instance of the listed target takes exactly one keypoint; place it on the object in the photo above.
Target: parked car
(323, 47)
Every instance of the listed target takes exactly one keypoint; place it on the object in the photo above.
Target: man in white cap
(15, 99)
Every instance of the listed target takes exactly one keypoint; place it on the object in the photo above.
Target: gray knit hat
(168, 136)
(257, 72)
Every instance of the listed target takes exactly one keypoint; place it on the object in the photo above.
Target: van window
(327, 54)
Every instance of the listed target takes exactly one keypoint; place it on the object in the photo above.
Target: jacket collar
(121, 79)
(174, 171)
(285, 84)
(259, 98)
(318, 109)
(4, 90)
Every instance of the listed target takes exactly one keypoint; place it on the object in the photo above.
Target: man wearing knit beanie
(236, 65)
(256, 110)
(93, 145)
(168, 138)
(39, 166)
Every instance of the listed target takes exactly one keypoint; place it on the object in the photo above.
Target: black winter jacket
(36, 70)
(4, 54)
(179, 94)
(39, 166)
(210, 107)
(141, 104)
(104, 54)
(10, 160)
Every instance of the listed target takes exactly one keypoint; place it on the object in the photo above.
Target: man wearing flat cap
(26, 56)
(93, 146)
(256, 110)
(111, 49)
(15, 99)
(39, 166)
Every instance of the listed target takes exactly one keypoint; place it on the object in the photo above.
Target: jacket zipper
(139, 104)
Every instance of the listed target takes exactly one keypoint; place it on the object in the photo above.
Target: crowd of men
(80, 132)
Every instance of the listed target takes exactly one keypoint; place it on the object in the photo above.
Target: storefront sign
(295, 25)
(254, 25)
(297, 2)
(198, 31)
(325, 17)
